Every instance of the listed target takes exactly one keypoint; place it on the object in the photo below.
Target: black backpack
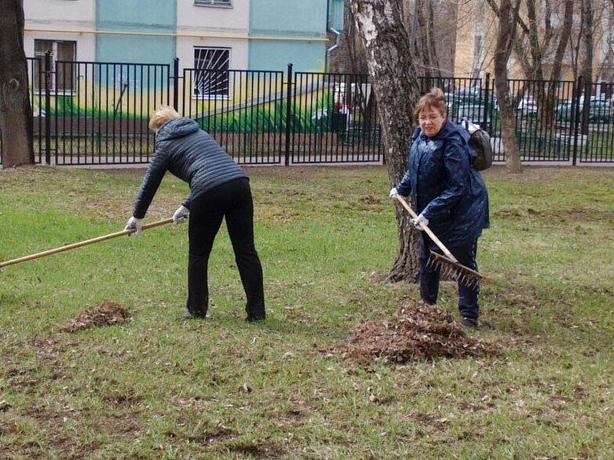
(479, 141)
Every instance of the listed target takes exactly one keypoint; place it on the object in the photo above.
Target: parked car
(527, 107)
(564, 111)
(470, 104)
(598, 110)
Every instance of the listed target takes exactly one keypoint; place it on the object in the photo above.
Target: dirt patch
(549, 215)
(416, 332)
(106, 314)
(258, 450)
(122, 399)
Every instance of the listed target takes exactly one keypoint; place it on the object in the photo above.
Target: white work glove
(418, 221)
(393, 193)
(135, 225)
(181, 214)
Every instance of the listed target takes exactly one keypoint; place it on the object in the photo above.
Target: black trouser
(232, 200)
(429, 277)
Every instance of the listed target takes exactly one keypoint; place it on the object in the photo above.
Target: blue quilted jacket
(444, 187)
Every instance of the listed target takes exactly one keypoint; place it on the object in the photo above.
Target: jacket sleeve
(155, 172)
(456, 166)
(404, 187)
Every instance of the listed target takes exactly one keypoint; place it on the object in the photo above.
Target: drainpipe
(333, 30)
(335, 46)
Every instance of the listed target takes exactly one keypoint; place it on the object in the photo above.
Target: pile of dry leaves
(416, 332)
(105, 314)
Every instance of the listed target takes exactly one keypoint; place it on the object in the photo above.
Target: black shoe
(470, 324)
(196, 314)
(255, 317)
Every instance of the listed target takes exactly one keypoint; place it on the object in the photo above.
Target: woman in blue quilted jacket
(449, 196)
(219, 189)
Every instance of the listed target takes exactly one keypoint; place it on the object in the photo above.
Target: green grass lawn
(160, 386)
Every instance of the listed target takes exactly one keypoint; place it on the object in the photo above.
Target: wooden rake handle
(424, 227)
(68, 247)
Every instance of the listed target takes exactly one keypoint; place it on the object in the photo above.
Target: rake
(68, 247)
(448, 264)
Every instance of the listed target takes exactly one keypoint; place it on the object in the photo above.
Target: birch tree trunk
(379, 24)
(15, 120)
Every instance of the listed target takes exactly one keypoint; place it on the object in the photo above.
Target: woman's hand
(135, 226)
(418, 221)
(182, 214)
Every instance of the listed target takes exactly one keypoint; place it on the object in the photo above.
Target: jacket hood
(179, 127)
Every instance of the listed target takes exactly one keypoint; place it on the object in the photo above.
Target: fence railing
(96, 113)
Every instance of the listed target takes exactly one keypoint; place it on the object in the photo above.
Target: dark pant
(429, 277)
(232, 200)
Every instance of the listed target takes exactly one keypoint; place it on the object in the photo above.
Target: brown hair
(434, 99)
(162, 115)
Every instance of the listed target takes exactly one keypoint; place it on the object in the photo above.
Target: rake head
(454, 270)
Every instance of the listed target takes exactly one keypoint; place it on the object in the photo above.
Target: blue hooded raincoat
(444, 187)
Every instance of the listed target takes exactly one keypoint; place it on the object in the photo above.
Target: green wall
(145, 16)
(288, 19)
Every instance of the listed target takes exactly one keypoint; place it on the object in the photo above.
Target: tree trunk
(555, 74)
(380, 25)
(587, 63)
(505, 39)
(15, 110)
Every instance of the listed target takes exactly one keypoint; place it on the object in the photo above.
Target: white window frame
(214, 3)
(225, 96)
(54, 52)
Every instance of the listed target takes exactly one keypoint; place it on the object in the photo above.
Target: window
(211, 76)
(64, 71)
(213, 3)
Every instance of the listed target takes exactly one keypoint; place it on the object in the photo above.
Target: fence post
(176, 84)
(486, 108)
(575, 117)
(47, 90)
(288, 112)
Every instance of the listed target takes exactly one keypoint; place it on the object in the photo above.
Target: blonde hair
(162, 115)
(434, 99)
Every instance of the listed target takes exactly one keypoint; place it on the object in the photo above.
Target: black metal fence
(96, 113)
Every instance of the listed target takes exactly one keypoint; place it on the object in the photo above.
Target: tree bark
(587, 62)
(535, 44)
(390, 61)
(559, 55)
(506, 14)
(15, 110)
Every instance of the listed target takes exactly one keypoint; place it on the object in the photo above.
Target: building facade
(100, 67)
(236, 34)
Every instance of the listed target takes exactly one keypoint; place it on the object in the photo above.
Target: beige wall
(61, 20)
(214, 27)
(69, 13)
(475, 18)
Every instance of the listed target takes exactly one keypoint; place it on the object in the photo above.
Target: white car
(527, 106)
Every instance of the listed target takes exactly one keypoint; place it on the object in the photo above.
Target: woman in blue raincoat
(449, 196)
